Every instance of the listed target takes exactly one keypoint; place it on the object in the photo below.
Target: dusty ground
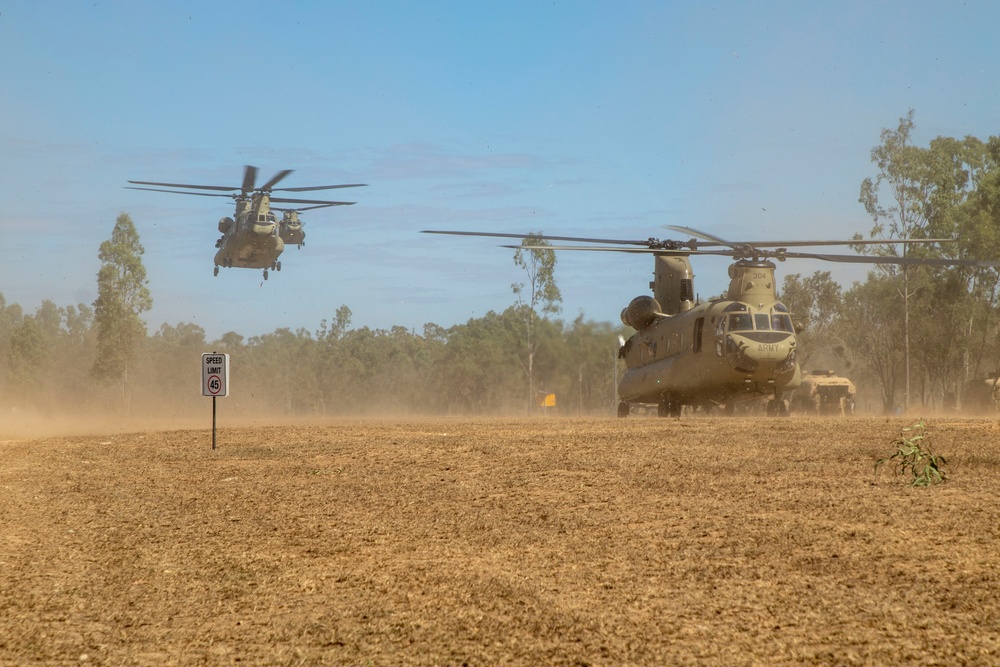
(520, 542)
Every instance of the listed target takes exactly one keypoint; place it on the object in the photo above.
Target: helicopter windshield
(760, 322)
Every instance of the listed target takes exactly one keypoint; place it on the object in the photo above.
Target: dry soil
(562, 541)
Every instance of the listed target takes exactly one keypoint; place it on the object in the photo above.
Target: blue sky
(749, 120)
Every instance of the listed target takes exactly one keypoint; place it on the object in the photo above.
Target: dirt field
(519, 542)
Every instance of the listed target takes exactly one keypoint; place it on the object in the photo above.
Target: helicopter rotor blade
(221, 188)
(304, 208)
(274, 180)
(183, 192)
(900, 261)
(644, 251)
(249, 178)
(324, 202)
(781, 256)
(648, 243)
(697, 234)
(321, 187)
(796, 244)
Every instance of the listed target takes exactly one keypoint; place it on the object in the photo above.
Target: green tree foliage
(122, 298)
(172, 364)
(873, 323)
(28, 360)
(10, 318)
(539, 293)
(936, 192)
(46, 357)
(816, 303)
(902, 173)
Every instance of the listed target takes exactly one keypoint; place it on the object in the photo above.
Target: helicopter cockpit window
(762, 321)
(741, 322)
(782, 322)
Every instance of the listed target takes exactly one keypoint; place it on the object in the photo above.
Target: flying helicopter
(290, 226)
(253, 238)
(739, 347)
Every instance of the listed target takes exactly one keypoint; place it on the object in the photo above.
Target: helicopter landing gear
(216, 272)
(669, 406)
(777, 408)
(265, 274)
(623, 409)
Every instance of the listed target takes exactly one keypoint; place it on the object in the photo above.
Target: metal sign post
(214, 380)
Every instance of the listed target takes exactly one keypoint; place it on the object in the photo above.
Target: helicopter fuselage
(292, 233)
(252, 238)
(251, 241)
(738, 347)
(728, 350)
(718, 353)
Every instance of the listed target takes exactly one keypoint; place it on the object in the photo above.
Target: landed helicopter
(739, 347)
(253, 238)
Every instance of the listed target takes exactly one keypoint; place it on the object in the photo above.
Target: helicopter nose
(755, 354)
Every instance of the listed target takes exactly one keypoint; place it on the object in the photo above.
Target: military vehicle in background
(824, 393)
(982, 395)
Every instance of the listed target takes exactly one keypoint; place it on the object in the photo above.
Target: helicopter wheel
(265, 274)
(623, 409)
(777, 408)
(216, 272)
(669, 406)
(277, 267)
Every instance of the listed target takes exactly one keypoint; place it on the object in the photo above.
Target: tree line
(479, 367)
(910, 337)
(917, 337)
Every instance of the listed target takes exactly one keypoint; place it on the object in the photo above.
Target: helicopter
(737, 348)
(290, 226)
(253, 238)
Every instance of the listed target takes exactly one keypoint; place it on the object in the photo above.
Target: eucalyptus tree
(903, 217)
(924, 193)
(816, 302)
(871, 323)
(976, 221)
(27, 356)
(122, 297)
(539, 293)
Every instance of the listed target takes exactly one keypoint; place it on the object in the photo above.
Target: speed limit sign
(214, 374)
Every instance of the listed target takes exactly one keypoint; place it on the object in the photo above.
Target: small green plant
(913, 456)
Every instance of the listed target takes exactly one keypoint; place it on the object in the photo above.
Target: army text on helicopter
(253, 238)
(739, 347)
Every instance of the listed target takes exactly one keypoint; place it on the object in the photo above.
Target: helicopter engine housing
(225, 224)
(641, 312)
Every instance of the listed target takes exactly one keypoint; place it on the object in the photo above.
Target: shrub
(913, 457)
